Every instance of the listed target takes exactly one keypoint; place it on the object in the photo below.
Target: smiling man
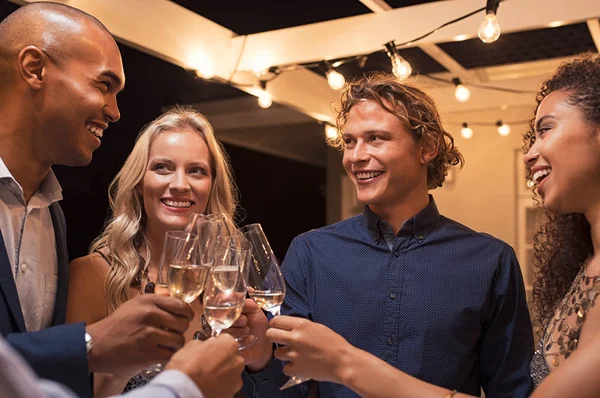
(422, 292)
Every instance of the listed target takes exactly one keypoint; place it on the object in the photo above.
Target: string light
(335, 79)
(466, 131)
(489, 30)
(503, 128)
(202, 63)
(462, 93)
(400, 67)
(264, 98)
(330, 132)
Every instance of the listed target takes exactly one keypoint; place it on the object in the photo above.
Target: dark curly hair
(409, 104)
(563, 242)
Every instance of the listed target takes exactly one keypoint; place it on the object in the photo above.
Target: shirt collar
(419, 225)
(50, 189)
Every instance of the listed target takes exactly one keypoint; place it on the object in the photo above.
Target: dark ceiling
(248, 17)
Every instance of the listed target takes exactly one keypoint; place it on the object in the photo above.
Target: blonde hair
(123, 234)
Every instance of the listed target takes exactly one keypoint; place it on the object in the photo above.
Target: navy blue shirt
(438, 301)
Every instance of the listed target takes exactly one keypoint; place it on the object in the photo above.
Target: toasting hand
(144, 330)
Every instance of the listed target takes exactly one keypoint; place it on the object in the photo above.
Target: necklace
(564, 331)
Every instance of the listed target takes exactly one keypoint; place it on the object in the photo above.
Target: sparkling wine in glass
(187, 282)
(223, 302)
(181, 271)
(264, 280)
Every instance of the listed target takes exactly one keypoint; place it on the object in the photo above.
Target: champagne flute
(181, 271)
(225, 293)
(264, 280)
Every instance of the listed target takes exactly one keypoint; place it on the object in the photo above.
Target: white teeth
(539, 175)
(97, 131)
(367, 175)
(177, 203)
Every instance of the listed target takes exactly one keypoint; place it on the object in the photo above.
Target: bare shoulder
(86, 299)
(93, 265)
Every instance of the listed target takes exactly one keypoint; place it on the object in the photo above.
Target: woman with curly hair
(563, 157)
(176, 168)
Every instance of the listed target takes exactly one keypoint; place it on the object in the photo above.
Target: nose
(179, 182)
(532, 154)
(359, 153)
(111, 109)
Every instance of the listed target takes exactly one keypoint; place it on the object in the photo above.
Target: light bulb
(462, 93)
(202, 63)
(330, 132)
(400, 67)
(335, 79)
(466, 131)
(264, 99)
(489, 30)
(503, 129)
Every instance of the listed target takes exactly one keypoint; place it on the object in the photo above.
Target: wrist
(346, 369)
(92, 349)
(263, 362)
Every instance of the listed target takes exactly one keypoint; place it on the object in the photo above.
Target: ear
(429, 150)
(32, 66)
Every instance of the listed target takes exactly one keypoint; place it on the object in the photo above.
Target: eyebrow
(169, 161)
(541, 120)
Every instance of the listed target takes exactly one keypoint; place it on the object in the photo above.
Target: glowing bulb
(335, 79)
(466, 131)
(503, 129)
(202, 63)
(264, 99)
(400, 67)
(330, 132)
(489, 30)
(462, 93)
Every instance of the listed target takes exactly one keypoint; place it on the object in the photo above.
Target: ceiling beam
(594, 27)
(442, 58)
(366, 33)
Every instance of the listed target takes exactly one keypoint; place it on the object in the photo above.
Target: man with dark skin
(60, 73)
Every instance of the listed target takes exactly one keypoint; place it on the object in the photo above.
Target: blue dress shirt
(438, 301)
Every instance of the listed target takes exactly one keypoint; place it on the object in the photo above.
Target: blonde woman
(176, 168)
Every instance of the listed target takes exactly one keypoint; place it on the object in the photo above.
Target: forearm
(371, 377)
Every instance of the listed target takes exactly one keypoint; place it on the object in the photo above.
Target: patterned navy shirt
(438, 300)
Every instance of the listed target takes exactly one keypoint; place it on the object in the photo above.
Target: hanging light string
(482, 86)
(400, 67)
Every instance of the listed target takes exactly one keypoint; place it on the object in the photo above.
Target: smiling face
(177, 181)
(565, 160)
(80, 98)
(382, 157)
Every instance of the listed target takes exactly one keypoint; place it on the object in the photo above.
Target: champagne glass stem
(215, 332)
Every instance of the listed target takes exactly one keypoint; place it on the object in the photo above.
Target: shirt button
(390, 342)
(397, 253)
(23, 267)
(393, 296)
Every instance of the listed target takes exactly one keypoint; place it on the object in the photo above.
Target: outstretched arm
(317, 352)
